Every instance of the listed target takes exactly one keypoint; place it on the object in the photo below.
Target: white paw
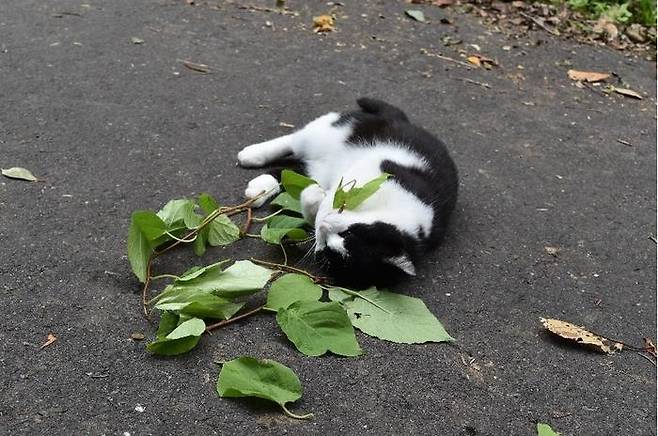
(311, 197)
(251, 156)
(264, 183)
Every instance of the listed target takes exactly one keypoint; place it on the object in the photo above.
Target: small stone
(139, 408)
(137, 336)
(636, 33)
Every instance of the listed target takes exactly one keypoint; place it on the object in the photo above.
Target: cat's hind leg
(264, 153)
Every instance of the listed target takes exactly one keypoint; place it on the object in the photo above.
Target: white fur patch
(263, 183)
(311, 198)
(403, 263)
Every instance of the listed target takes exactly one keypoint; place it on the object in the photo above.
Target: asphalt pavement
(97, 102)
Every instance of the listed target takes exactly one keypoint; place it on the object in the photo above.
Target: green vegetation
(619, 11)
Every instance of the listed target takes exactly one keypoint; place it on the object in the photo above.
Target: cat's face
(362, 253)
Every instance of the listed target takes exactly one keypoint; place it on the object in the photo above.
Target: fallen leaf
(481, 61)
(416, 15)
(136, 40)
(323, 23)
(573, 332)
(19, 173)
(474, 60)
(51, 339)
(201, 68)
(137, 336)
(627, 92)
(587, 76)
(553, 251)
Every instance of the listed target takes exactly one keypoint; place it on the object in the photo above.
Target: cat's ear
(403, 262)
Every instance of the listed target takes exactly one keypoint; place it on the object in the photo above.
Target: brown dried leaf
(573, 332)
(481, 61)
(649, 346)
(51, 339)
(627, 92)
(587, 76)
(323, 23)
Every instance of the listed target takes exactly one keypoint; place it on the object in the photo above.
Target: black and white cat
(384, 236)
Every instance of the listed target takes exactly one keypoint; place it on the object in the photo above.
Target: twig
(224, 322)
(247, 223)
(474, 82)
(653, 239)
(653, 362)
(540, 23)
(446, 58)
(316, 279)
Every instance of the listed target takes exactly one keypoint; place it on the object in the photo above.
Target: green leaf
(290, 288)
(281, 226)
(192, 327)
(287, 202)
(150, 224)
(416, 15)
(180, 211)
(201, 241)
(545, 430)
(222, 231)
(199, 304)
(267, 379)
(316, 328)
(196, 271)
(208, 203)
(181, 340)
(145, 233)
(356, 195)
(168, 322)
(241, 278)
(394, 317)
(19, 173)
(337, 295)
(294, 183)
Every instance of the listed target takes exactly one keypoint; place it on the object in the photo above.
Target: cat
(381, 240)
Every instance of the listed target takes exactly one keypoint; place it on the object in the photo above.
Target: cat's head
(363, 254)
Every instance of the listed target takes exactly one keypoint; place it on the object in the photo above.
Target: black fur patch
(368, 246)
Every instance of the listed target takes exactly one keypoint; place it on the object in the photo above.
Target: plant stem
(265, 218)
(247, 223)
(355, 294)
(165, 276)
(280, 267)
(235, 318)
(293, 415)
(181, 240)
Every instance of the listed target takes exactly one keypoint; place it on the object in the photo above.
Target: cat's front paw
(251, 157)
(265, 185)
(310, 198)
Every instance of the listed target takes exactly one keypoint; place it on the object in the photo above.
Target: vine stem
(293, 415)
(280, 267)
(224, 322)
